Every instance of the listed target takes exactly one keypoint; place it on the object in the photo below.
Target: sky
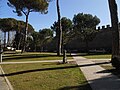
(68, 9)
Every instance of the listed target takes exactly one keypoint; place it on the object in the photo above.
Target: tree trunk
(19, 43)
(115, 30)
(115, 60)
(8, 41)
(59, 47)
(25, 34)
(4, 39)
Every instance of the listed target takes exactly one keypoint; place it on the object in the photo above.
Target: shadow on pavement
(113, 71)
(81, 87)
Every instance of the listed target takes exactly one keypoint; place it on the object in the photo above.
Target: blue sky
(68, 9)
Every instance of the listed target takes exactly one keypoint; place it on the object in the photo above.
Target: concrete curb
(6, 79)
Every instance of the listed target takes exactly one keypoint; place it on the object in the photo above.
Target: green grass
(105, 56)
(33, 57)
(46, 76)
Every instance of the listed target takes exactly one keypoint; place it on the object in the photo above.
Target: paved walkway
(4, 83)
(97, 77)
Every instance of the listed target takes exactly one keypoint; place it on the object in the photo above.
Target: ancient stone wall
(103, 40)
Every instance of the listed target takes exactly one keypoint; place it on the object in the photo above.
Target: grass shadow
(28, 56)
(48, 69)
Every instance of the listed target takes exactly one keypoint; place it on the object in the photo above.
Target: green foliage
(85, 24)
(18, 41)
(66, 29)
(41, 39)
(11, 24)
(66, 24)
(84, 27)
(46, 33)
(26, 6)
(21, 26)
(8, 24)
(82, 21)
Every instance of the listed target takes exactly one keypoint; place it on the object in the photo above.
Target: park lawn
(46, 76)
(103, 56)
(32, 57)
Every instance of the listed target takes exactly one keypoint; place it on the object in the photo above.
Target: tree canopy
(85, 21)
(66, 25)
(11, 24)
(27, 6)
(84, 27)
(40, 39)
(21, 26)
(8, 24)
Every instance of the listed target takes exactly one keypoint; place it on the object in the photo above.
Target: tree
(11, 24)
(7, 25)
(26, 7)
(66, 30)
(115, 32)
(84, 27)
(35, 43)
(66, 25)
(46, 32)
(41, 39)
(19, 40)
(59, 29)
(46, 37)
(21, 25)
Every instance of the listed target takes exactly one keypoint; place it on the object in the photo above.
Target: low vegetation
(43, 76)
(46, 76)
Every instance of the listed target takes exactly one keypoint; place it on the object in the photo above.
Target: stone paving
(97, 77)
(3, 83)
